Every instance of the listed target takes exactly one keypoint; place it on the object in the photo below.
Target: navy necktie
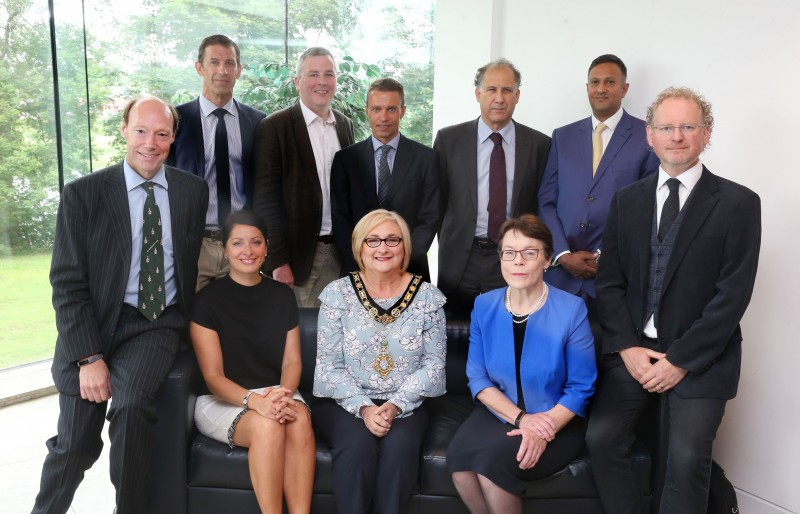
(384, 175)
(223, 167)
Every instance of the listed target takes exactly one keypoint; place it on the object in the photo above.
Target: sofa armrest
(175, 403)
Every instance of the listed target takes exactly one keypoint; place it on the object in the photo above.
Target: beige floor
(25, 427)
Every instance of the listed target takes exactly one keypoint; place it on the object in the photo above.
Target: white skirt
(217, 419)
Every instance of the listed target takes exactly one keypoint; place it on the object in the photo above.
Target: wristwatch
(90, 359)
(246, 399)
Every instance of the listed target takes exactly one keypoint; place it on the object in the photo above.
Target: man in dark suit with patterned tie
(123, 275)
(221, 153)
(680, 254)
(386, 171)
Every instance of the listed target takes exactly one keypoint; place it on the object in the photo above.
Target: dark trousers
(482, 274)
(143, 353)
(371, 474)
(692, 426)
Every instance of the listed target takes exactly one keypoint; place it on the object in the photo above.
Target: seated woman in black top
(246, 336)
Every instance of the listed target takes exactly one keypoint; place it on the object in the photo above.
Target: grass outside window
(27, 318)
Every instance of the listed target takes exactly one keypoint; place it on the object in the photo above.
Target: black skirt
(482, 446)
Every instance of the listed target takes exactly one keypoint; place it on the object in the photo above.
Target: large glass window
(109, 50)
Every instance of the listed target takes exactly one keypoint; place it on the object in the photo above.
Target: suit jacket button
(591, 198)
(583, 225)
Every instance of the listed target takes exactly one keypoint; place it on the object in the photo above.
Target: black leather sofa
(194, 474)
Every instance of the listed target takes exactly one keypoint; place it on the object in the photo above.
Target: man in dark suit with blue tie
(386, 171)
(589, 161)
(123, 275)
(221, 153)
(680, 254)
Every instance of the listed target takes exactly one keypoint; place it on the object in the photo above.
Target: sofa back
(457, 348)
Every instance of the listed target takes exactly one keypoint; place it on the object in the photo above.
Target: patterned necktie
(597, 146)
(497, 187)
(670, 209)
(152, 290)
(223, 167)
(384, 175)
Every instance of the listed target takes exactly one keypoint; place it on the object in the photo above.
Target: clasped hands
(580, 264)
(536, 431)
(655, 377)
(275, 403)
(379, 419)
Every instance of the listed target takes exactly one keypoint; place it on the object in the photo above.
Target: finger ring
(661, 386)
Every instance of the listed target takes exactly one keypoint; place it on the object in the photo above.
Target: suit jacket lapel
(618, 140)
(178, 211)
(521, 157)
(700, 204)
(194, 132)
(115, 199)
(641, 218)
(305, 149)
(366, 165)
(400, 170)
(468, 143)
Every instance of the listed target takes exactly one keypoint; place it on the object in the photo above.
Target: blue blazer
(188, 150)
(572, 203)
(558, 359)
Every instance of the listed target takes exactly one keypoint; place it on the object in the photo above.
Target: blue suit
(188, 150)
(573, 204)
(558, 360)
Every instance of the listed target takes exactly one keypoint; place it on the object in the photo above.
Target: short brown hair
(371, 220)
(220, 40)
(530, 226)
(126, 111)
(388, 85)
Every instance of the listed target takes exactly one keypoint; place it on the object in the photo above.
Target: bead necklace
(536, 307)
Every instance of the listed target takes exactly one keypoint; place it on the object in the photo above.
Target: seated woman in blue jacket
(532, 367)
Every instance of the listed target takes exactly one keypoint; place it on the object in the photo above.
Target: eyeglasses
(667, 130)
(529, 254)
(374, 242)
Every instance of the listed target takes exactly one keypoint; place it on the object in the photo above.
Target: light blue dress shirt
(136, 199)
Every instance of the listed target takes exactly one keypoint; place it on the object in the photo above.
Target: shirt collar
(207, 106)
(688, 178)
(611, 122)
(134, 180)
(310, 116)
(508, 132)
(394, 142)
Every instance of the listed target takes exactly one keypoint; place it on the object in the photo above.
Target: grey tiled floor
(24, 428)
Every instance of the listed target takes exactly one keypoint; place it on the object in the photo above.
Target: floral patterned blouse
(349, 340)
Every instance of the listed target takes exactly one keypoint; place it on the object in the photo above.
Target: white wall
(743, 57)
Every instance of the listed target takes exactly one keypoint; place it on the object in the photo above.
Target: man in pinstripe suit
(106, 348)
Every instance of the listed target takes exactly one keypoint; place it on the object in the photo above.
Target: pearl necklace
(536, 307)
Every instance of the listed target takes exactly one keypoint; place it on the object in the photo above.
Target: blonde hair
(372, 220)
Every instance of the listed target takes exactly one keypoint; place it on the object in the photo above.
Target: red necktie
(497, 187)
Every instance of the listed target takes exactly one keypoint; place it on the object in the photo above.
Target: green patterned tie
(152, 291)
